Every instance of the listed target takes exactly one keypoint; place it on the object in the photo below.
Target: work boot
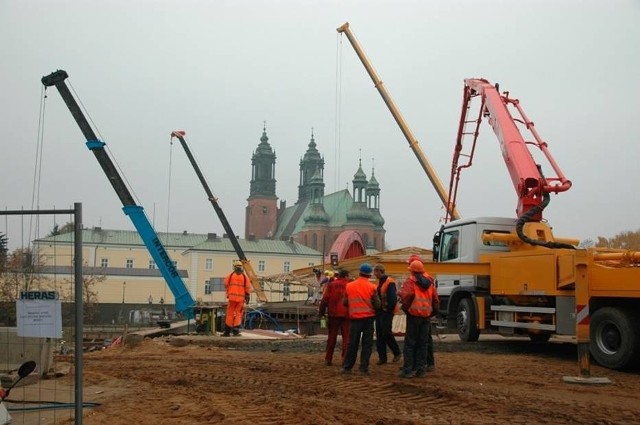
(397, 357)
(345, 371)
(364, 372)
(226, 333)
(421, 374)
(327, 362)
(381, 362)
(406, 375)
(431, 368)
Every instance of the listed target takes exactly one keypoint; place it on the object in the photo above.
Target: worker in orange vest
(238, 288)
(430, 358)
(362, 299)
(388, 294)
(418, 297)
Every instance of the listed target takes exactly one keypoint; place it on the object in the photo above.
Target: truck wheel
(615, 339)
(466, 319)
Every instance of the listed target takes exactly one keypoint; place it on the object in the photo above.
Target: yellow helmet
(237, 263)
(329, 273)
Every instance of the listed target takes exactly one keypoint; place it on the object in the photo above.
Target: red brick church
(341, 222)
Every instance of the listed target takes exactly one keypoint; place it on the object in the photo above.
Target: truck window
(494, 243)
(450, 250)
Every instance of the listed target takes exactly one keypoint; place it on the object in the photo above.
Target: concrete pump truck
(512, 275)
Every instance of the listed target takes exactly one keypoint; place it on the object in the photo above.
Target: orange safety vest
(383, 295)
(359, 294)
(422, 304)
(236, 286)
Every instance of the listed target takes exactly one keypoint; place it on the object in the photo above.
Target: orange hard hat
(413, 257)
(416, 266)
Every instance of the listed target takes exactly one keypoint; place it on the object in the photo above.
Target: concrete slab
(590, 380)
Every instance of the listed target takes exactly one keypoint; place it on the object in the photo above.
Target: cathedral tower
(262, 211)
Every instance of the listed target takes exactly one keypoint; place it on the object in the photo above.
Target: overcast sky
(219, 69)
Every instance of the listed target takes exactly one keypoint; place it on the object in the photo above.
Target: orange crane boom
(404, 127)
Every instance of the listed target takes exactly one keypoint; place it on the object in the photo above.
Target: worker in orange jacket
(419, 302)
(238, 288)
(362, 299)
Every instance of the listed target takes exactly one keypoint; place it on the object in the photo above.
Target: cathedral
(339, 223)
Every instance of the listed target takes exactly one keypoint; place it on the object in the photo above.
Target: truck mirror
(436, 245)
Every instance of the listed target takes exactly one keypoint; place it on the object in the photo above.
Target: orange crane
(404, 127)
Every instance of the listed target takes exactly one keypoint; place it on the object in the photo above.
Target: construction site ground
(204, 380)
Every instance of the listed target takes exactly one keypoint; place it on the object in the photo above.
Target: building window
(208, 264)
(175, 263)
(261, 266)
(217, 284)
(104, 263)
(286, 266)
(129, 264)
(314, 241)
(310, 264)
(152, 264)
(286, 291)
(264, 210)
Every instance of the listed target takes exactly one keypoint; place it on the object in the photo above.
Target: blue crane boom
(184, 301)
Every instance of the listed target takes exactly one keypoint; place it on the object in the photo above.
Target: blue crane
(184, 301)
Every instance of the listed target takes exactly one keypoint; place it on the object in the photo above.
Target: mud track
(191, 380)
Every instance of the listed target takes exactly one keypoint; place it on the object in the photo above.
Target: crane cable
(106, 146)
(169, 187)
(37, 167)
(338, 112)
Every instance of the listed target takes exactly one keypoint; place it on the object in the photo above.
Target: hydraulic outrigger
(255, 283)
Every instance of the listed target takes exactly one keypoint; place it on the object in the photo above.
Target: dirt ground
(204, 380)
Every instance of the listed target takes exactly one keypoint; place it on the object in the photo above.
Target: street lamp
(121, 315)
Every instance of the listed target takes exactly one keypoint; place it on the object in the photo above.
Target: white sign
(39, 318)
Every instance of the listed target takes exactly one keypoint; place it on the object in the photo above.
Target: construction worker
(430, 358)
(388, 294)
(326, 280)
(418, 297)
(362, 300)
(238, 288)
(338, 315)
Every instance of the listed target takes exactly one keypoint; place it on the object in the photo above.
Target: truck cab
(460, 241)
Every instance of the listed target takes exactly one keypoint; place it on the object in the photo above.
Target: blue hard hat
(365, 268)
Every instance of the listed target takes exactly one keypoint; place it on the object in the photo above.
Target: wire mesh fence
(41, 321)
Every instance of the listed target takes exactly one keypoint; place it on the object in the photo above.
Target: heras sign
(38, 295)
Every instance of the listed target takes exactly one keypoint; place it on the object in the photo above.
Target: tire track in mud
(207, 385)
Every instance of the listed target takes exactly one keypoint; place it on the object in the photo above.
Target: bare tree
(623, 240)
(3, 252)
(89, 294)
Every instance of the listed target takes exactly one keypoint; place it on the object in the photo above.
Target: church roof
(335, 204)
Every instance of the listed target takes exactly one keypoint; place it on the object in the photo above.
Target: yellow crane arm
(413, 143)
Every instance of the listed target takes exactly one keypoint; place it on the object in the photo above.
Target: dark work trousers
(337, 324)
(431, 360)
(415, 344)
(359, 328)
(384, 335)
